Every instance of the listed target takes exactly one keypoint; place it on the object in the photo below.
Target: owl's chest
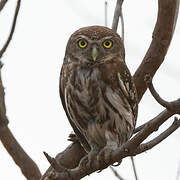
(91, 81)
(86, 83)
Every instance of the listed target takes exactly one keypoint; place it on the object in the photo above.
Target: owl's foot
(105, 155)
(86, 162)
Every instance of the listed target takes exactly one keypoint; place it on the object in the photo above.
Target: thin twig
(122, 25)
(105, 13)
(171, 106)
(2, 4)
(116, 173)
(117, 13)
(134, 168)
(148, 80)
(12, 29)
(146, 146)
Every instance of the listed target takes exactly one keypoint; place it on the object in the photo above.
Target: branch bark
(25, 163)
(117, 14)
(162, 35)
(146, 146)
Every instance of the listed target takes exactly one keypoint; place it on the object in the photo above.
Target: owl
(97, 90)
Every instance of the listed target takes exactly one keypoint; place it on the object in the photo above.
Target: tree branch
(12, 29)
(134, 168)
(162, 35)
(171, 106)
(146, 146)
(25, 163)
(2, 4)
(117, 14)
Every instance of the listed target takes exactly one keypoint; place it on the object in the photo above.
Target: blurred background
(31, 70)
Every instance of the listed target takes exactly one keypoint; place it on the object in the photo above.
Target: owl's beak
(94, 52)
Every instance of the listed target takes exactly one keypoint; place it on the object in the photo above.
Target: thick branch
(162, 35)
(12, 29)
(25, 163)
(2, 4)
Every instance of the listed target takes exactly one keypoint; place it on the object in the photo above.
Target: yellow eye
(82, 43)
(107, 44)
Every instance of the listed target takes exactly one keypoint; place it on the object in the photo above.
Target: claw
(86, 162)
(105, 155)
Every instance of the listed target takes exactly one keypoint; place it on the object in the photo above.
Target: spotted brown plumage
(97, 90)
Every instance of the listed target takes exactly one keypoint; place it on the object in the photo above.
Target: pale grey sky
(31, 75)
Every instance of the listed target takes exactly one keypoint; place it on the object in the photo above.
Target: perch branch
(128, 149)
(12, 29)
(162, 35)
(2, 4)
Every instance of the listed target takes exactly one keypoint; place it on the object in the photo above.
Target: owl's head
(94, 44)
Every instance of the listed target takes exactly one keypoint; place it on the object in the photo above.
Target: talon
(86, 162)
(105, 155)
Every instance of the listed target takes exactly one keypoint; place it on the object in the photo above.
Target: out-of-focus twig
(12, 29)
(134, 168)
(105, 13)
(116, 174)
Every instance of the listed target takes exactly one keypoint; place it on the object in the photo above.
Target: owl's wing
(62, 91)
(128, 89)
